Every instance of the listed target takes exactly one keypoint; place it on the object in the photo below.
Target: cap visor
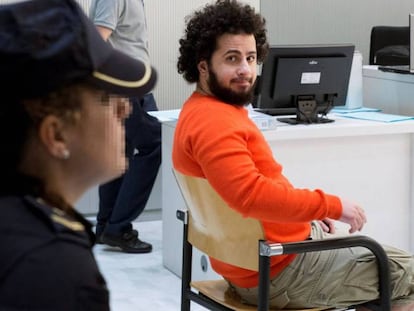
(123, 75)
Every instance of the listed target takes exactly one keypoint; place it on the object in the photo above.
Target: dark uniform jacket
(46, 260)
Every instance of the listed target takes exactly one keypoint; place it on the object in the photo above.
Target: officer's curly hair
(205, 26)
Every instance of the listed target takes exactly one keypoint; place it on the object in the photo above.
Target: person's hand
(353, 215)
(327, 225)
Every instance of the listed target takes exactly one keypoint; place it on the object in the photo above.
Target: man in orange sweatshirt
(215, 139)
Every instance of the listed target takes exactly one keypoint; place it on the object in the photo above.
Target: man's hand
(353, 215)
(327, 225)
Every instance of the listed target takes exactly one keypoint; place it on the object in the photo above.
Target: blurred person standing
(123, 24)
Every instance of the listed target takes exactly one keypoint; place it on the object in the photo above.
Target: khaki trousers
(336, 278)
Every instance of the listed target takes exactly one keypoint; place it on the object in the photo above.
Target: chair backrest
(395, 37)
(215, 228)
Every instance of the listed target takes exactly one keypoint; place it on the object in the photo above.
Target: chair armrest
(268, 249)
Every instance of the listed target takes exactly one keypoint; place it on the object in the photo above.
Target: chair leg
(186, 271)
(264, 280)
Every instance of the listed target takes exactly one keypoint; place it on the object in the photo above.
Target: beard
(227, 95)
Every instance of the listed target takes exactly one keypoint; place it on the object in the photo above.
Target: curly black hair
(205, 26)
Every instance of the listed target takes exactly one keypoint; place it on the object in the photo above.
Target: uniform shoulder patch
(71, 224)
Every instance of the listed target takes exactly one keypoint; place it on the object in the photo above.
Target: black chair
(389, 45)
(220, 232)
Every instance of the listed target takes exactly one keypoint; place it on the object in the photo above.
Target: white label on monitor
(310, 78)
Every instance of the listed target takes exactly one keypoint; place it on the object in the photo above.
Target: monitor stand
(306, 113)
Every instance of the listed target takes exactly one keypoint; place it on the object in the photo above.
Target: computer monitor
(411, 23)
(306, 81)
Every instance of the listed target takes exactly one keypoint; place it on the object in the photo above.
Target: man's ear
(202, 67)
(52, 136)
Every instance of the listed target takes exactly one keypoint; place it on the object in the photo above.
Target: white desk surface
(341, 127)
(372, 71)
(391, 92)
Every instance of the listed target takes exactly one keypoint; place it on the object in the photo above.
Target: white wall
(166, 25)
(289, 21)
(332, 21)
(166, 21)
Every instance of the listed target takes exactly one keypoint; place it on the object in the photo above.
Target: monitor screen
(411, 23)
(306, 81)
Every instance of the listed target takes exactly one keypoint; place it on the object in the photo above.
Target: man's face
(231, 73)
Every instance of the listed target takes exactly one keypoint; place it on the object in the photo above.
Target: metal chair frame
(266, 250)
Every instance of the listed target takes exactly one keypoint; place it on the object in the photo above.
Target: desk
(391, 92)
(368, 162)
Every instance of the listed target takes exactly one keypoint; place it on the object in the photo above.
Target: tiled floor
(139, 281)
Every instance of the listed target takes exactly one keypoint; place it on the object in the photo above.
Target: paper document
(263, 121)
(165, 115)
(341, 110)
(377, 116)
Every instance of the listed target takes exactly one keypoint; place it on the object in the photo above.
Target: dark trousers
(123, 199)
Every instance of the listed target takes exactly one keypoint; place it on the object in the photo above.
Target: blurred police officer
(62, 132)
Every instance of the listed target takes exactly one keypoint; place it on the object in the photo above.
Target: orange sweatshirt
(218, 141)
